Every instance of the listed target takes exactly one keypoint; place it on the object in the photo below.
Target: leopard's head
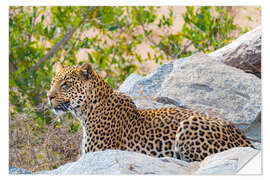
(70, 87)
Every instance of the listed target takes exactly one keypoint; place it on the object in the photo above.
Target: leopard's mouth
(61, 107)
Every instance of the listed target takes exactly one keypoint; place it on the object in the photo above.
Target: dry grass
(37, 149)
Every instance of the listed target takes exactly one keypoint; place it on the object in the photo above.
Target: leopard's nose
(50, 96)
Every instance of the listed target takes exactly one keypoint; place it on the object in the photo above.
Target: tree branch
(154, 43)
(71, 47)
(186, 47)
(56, 47)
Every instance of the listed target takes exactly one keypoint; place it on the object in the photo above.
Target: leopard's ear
(57, 67)
(86, 70)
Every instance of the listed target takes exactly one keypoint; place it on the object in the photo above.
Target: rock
(125, 162)
(254, 131)
(207, 85)
(15, 170)
(243, 53)
(227, 162)
(131, 81)
(122, 162)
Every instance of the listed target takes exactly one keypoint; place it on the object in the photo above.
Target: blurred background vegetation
(117, 41)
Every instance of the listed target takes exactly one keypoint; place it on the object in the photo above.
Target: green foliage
(207, 32)
(112, 50)
(202, 31)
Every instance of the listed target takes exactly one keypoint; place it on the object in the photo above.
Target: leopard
(111, 120)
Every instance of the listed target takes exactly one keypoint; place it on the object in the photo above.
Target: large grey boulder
(243, 53)
(122, 162)
(200, 83)
(207, 85)
(125, 162)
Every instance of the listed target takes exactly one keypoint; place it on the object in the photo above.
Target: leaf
(112, 27)
(74, 127)
(149, 32)
(149, 55)
(90, 58)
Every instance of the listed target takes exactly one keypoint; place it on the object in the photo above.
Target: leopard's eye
(63, 84)
(52, 82)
